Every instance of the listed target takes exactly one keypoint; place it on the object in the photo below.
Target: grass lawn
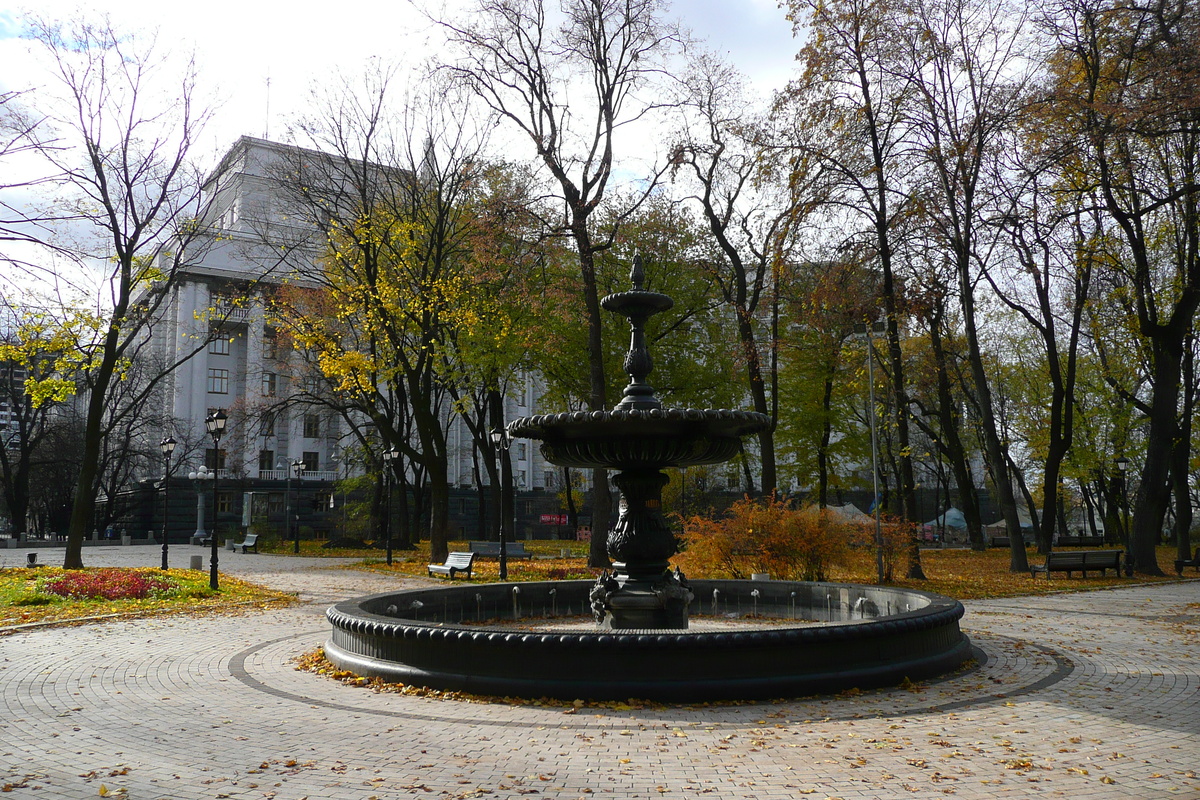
(52, 594)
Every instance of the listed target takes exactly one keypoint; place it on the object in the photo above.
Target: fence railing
(312, 475)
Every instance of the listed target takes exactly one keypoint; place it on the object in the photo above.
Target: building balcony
(313, 475)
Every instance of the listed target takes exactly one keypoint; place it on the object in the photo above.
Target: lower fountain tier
(864, 636)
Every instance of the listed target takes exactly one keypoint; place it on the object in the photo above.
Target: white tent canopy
(849, 513)
(951, 518)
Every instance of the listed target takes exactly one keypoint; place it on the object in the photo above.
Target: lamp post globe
(166, 447)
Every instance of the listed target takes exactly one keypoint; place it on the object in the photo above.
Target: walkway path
(1093, 695)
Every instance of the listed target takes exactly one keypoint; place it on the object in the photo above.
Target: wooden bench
(1194, 562)
(998, 541)
(456, 562)
(492, 549)
(251, 543)
(1069, 561)
(1080, 541)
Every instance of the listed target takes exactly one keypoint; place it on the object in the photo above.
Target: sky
(242, 45)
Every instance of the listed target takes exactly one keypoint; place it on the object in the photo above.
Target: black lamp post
(389, 461)
(298, 471)
(167, 446)
(863, 328)
(215, 425)
(1123, 468)
(501, 443)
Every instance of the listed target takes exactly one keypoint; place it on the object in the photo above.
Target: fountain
(642, 644)
(638, 438)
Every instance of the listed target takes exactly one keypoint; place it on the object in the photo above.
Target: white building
(256, 244)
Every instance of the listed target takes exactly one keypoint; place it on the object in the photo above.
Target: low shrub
(766, 535)
(107, 584)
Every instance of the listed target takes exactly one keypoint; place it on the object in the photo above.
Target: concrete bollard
(197, 563)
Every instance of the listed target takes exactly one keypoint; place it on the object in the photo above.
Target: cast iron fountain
(772, 638)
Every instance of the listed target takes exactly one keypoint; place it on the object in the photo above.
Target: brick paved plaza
(1087, 695)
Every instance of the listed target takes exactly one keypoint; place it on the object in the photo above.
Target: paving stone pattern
(1085, 695)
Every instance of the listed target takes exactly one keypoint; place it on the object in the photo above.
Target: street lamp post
(501, 443)
(297, 470)
(1123, 468)
(389, 461)
(863, 328)
(199, 479)
(215, 425)
(167, 446)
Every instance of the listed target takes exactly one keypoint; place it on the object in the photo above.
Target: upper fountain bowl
(639, 438)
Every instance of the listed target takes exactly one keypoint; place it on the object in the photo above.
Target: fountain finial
(637, 305)
(637, 273)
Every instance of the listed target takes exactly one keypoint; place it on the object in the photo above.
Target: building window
(270, 346)
(322, 500)
(218, 381)
(270, 382)
(520, 451)
(312, 461)
(214, 459)
(312, 426)
(220, 345)
(275, 505)
(266, 459)
(268, 423)
(224, 503)
(230, 217)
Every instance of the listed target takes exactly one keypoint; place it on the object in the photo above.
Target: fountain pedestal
(647, 593)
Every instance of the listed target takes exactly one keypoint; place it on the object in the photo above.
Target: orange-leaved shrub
(765, 535)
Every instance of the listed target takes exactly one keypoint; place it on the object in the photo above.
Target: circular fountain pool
(775, 639)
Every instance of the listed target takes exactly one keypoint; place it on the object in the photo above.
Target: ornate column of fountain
(638, 438)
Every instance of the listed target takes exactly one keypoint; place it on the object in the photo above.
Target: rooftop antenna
(267, 116)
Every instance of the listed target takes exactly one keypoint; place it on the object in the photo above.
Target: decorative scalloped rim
(531, 427)
(936, 615)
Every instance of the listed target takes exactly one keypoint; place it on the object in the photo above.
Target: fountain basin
(784, 639)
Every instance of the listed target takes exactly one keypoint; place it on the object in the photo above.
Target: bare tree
(752, 208)
(569, 85)
(1125, 96)
(116, 144)
(959, 59)
(849, 87)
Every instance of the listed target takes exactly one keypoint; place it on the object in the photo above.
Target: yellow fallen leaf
(103, 790)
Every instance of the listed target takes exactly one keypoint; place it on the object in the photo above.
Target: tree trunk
(1182, 456)
(823, 449)
(601, 500)
(994, 448)
(949, 421)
